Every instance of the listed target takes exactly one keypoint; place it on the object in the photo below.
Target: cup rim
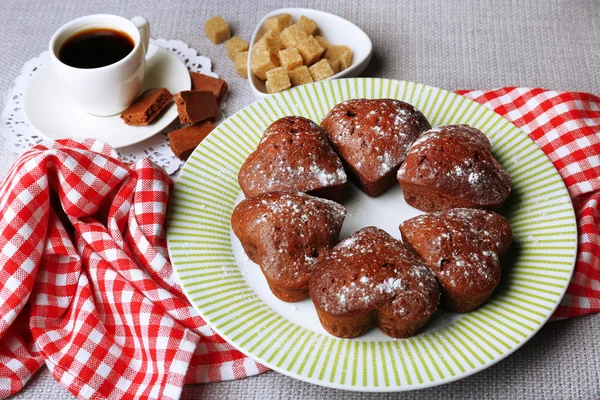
(78, 21)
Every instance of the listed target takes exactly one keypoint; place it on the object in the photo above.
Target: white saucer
(51, 113)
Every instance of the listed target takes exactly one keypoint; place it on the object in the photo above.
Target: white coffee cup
(110, 89)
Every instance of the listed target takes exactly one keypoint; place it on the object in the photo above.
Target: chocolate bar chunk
(146, 107)
(196, 105)
(208, 83)
(184, 141)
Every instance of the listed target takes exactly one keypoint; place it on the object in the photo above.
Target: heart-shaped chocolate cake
(451, 167)
(372, 136)
(371, 279)
(293, 155)
(286, 234)
(463, 247)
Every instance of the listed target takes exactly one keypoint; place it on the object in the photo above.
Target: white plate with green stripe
(232, 296)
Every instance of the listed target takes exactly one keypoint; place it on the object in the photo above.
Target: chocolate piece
(196, 105)
(146, 107)
(208, 83)
(184, 141)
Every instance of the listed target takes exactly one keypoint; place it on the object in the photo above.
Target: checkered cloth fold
(566, 126)
(86, 286)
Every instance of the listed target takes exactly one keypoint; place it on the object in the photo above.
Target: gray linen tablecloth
(451, 44)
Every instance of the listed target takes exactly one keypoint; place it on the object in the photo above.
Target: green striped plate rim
(541, 260)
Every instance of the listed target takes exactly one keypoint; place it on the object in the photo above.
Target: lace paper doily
(20, 137)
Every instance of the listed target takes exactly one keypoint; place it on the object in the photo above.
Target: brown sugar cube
(184, 141)
(323, 42)
(146, 107)
(321, 70)
(334, 64)
(217, 29)
(300, 76)
(234, 46)
(292, 35)
(270, 41)
(308, 25)
(310, 50)
(340, 57)
(279, 22)
(262, 62)
(277, 80)
(267, 43)
(264, 55)
(290, 58)
(276, 38)
(208, 83)
(241, 64)
(196, 105)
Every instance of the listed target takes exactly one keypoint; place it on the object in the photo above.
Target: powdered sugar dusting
(294, 155)
(371, 270)
(289, 232)
(373, 136)
(456, 160)
(461, 245)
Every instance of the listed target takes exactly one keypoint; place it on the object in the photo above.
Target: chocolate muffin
(370, 279)
(450, 167)
(372, 137)
(463, 247)
(293, 155)
(286, 234)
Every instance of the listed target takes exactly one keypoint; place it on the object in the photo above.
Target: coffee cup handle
(144, 27)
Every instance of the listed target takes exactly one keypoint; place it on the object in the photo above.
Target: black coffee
(95, 48)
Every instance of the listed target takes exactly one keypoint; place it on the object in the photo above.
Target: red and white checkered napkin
(86, 286)
(566, 126)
